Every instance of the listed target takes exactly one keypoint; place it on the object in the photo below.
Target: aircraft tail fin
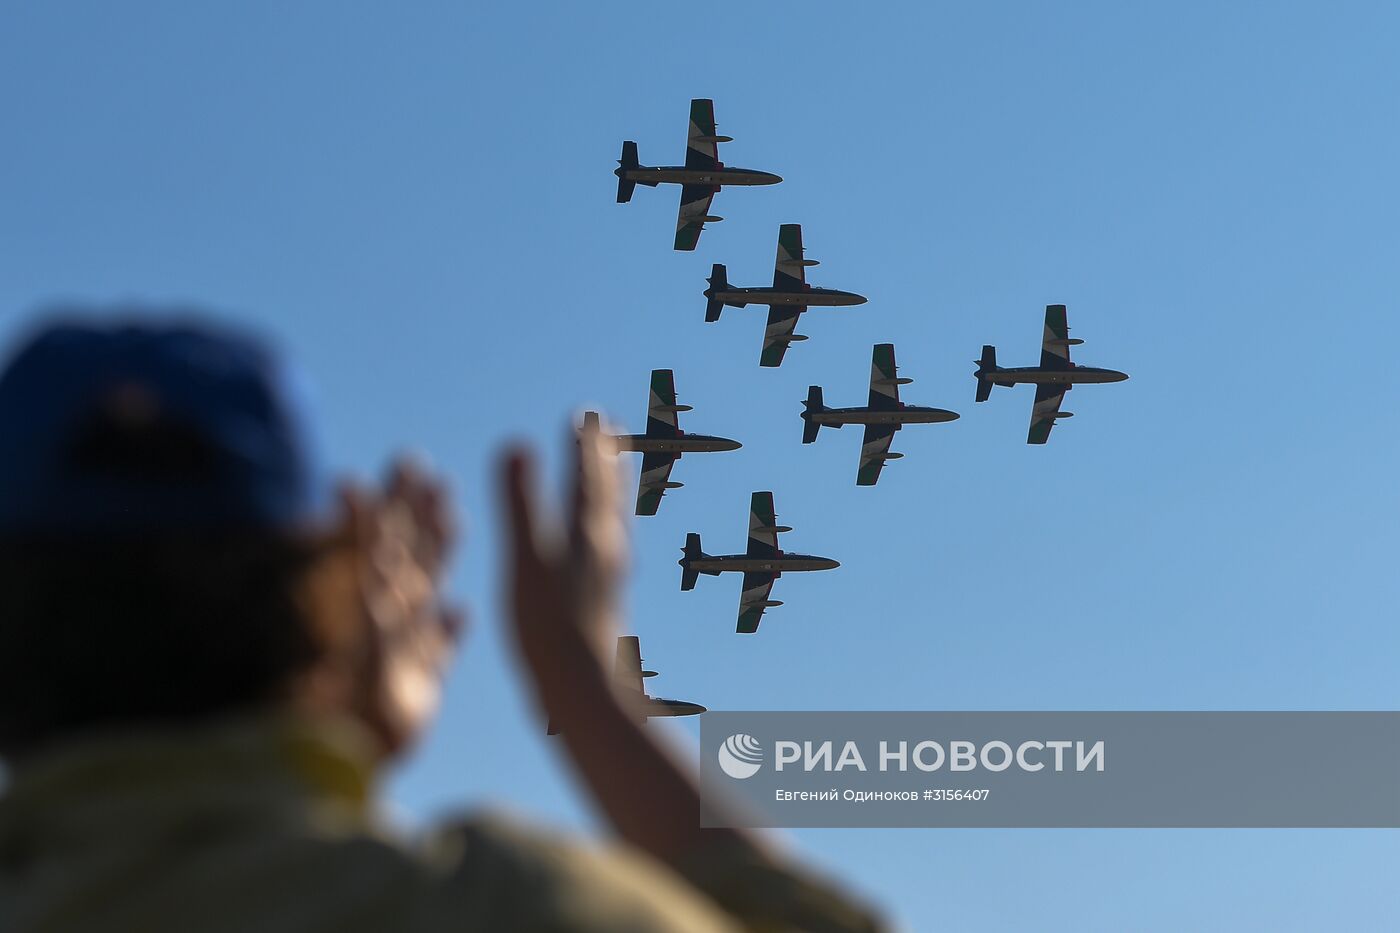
(692, 552)
(591, 421)
(811, 406)
(719, 280)
(625, 185)
(985, 367)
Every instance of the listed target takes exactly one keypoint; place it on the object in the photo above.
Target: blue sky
(418, 204)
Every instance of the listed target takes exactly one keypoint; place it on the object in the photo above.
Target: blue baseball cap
(144, 426)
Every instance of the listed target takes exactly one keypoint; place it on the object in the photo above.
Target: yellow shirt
(267, 825)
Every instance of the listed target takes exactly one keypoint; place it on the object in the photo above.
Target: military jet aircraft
(627, 684)
(788, 297)
(1055, 375)
(664, 442)
(702, 175)
(761, 564)
(884, 415)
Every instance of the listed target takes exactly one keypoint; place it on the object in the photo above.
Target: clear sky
(416, 199)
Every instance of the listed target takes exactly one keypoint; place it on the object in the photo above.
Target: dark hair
(105, 630)
(95, 634)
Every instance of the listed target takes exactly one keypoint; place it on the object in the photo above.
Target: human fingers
(520, 526)
(423, 498)
(596, 530)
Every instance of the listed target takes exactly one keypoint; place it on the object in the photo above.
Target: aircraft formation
(884, 414)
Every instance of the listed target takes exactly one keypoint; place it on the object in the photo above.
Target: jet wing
(782, 322)
(1047, 404)
(656, 473)
(884, 381)
(753, 601)
(695, 207)
(702, 143)
(872, 452)
(1055, 344)
(627, 666)
(661, 405)
(790, 270)
(763, 526)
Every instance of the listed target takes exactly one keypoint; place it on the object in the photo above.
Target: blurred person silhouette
(208, 651)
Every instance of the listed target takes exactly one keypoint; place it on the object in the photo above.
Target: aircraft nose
(1122, 377)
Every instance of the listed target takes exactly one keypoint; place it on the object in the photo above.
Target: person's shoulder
(502, 873)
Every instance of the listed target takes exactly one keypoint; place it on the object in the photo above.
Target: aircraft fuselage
(1078, 375)
(680, 175)
(749, 563)
(809, 297)
(681, 444)
(905, 414)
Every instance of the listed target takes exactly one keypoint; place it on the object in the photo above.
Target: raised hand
(402, 536)
(563, 584)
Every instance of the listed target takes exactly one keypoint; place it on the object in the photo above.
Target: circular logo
(740, 756)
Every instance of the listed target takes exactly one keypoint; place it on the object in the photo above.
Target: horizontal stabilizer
(810, 406)
(692, 551)
(629, 160)
(986, 366)
(719, 281)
